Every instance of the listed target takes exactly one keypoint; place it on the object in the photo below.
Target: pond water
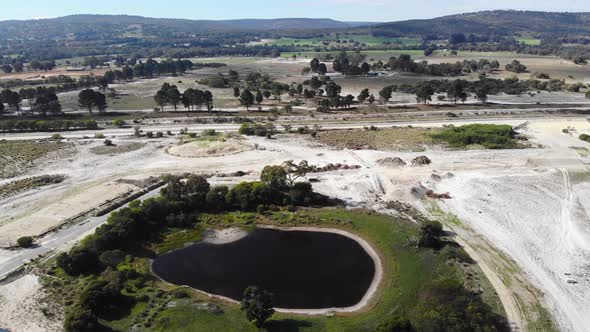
(304, 270)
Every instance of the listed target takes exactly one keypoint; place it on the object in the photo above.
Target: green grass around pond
(408, 271)
(424, 286)
(177, 239)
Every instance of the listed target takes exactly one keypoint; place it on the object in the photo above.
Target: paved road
(11, 260)
(325, 124)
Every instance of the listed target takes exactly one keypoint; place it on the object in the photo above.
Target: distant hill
(498, 22)
(92, 27)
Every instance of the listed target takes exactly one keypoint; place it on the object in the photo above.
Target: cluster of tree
(152, 68)
(42, 65)
(192, 99)
(177, 206)
(195, 99)
(405, 63)
(17, 67)
(168, 95)
(351, 64)
(12, 98)
(89, 99)
(459, 90)
(46, 125)
(263, 86)
(516, 67)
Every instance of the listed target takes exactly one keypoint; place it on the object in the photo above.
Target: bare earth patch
(18, 186)
(117, 149)
(198, 149)
(72, 204)
(21, 308)
(18, 156)
(390, 139)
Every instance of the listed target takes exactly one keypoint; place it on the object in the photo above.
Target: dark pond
(304, 270)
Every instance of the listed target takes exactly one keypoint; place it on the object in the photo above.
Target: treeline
(46, 125)
(178, 206)
(405, 63)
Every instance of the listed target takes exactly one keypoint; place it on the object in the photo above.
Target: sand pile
(391, 162)
(422, 160)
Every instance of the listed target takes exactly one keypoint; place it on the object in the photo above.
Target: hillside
(499, 22)
(100, 27)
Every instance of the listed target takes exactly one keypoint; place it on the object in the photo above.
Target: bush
(79, 319)
(99, 135)
(254, 129)
(585, 137)
(488, 135)
(159, 134)
(149, 134)
(108, 142)
(112, 258)
(192, 135)
(25, 242)
(118, 123)
(209, 132)
(248, 195)
(56, 137)
(430, 233)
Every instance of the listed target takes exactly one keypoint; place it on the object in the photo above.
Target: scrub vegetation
(105, 282)
(489, 136)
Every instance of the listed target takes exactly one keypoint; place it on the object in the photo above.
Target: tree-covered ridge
(497, 22)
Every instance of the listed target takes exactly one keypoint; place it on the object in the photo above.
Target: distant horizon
(340, 10)
(284, 18)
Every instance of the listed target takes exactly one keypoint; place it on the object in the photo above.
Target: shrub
(430, 233)
(108, 142)
(112, 257)
(247, 195)
(585, 137)
(118, 123)
(159, 134)
(79, 319)
(149, 134)
(99, 135)
(56, 137)
(488, 135)
(209, 132)
(192, 135)
(25, 242)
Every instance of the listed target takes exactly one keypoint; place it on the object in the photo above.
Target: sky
(345, 10)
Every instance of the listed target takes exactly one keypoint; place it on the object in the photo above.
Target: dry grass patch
(117, 149)
(17, 156)
(18, 186)
(395, 139)
(208, 148)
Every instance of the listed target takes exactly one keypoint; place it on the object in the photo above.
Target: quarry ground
(523, 215)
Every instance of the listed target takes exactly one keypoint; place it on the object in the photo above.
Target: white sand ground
(20, 309)
(536, 212)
